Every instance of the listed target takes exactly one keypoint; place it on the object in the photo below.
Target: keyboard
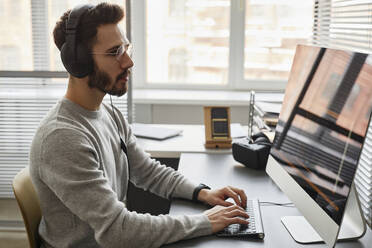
(255, 227)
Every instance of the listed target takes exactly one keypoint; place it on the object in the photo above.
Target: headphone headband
(75, 15)
(75, 57)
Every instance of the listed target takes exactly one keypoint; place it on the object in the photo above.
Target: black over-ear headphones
(261, 139)
(253, 152)
(75, 57)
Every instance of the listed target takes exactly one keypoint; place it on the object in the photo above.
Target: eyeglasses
(125, 48)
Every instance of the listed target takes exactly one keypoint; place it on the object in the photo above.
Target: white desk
(218, 170)
(191, 140)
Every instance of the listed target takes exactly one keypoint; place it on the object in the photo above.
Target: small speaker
(217, 127)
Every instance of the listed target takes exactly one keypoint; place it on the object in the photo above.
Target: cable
(122, 144)
(113, 112)
(286, 204)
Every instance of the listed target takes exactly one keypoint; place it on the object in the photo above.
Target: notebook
(152, 132)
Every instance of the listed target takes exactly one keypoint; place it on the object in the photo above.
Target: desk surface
(192, 139)
(226, 171)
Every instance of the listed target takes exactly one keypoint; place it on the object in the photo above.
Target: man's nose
(126, 61)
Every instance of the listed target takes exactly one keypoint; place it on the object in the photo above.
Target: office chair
(28, 202)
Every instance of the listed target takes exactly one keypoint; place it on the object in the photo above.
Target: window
(15, 36)
(272, 30)
(189, 42)
(229, 44)
(31, 40)
(218, 43)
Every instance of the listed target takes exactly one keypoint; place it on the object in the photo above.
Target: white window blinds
(347, 24)
(343, 24)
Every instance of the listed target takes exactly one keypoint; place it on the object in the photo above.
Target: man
(81, 168)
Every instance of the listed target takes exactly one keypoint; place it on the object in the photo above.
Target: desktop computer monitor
(318, 140)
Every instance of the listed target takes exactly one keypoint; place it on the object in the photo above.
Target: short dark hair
(103, 13)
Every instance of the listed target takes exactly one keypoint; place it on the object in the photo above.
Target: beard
(100, 80)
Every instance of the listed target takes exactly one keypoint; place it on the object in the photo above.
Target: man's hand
(220, 217)
(219, 196)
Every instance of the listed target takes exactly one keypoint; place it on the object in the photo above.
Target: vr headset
(252, 153)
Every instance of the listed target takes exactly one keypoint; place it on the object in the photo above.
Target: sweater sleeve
(150, 175)
(71, 170)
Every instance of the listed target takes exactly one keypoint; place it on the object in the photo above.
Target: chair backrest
(28, 202)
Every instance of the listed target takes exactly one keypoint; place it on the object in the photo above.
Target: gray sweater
(81, 176)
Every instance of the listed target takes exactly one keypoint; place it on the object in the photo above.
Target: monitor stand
(352, 226)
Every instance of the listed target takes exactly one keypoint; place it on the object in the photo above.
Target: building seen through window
(201, 29)
(15, 36)
(272, 31)
(187, 41)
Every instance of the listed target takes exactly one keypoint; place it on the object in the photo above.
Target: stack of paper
(363, 178)
(268, 112)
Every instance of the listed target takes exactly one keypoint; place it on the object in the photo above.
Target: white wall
(182, 114)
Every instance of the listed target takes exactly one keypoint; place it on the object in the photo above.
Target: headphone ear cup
(66, 57)
(258, 135)
(84, 61)
(82, 66)
(260, 140)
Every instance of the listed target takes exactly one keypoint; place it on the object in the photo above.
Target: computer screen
(323, 121)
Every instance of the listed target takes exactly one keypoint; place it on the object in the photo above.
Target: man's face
(110, 73)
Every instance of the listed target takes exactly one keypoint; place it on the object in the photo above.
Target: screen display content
(323, 122)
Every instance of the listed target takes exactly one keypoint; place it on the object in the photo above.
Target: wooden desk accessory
(217, 127)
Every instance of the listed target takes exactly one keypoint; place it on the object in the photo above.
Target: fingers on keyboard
(238, 220)
(237, 212)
